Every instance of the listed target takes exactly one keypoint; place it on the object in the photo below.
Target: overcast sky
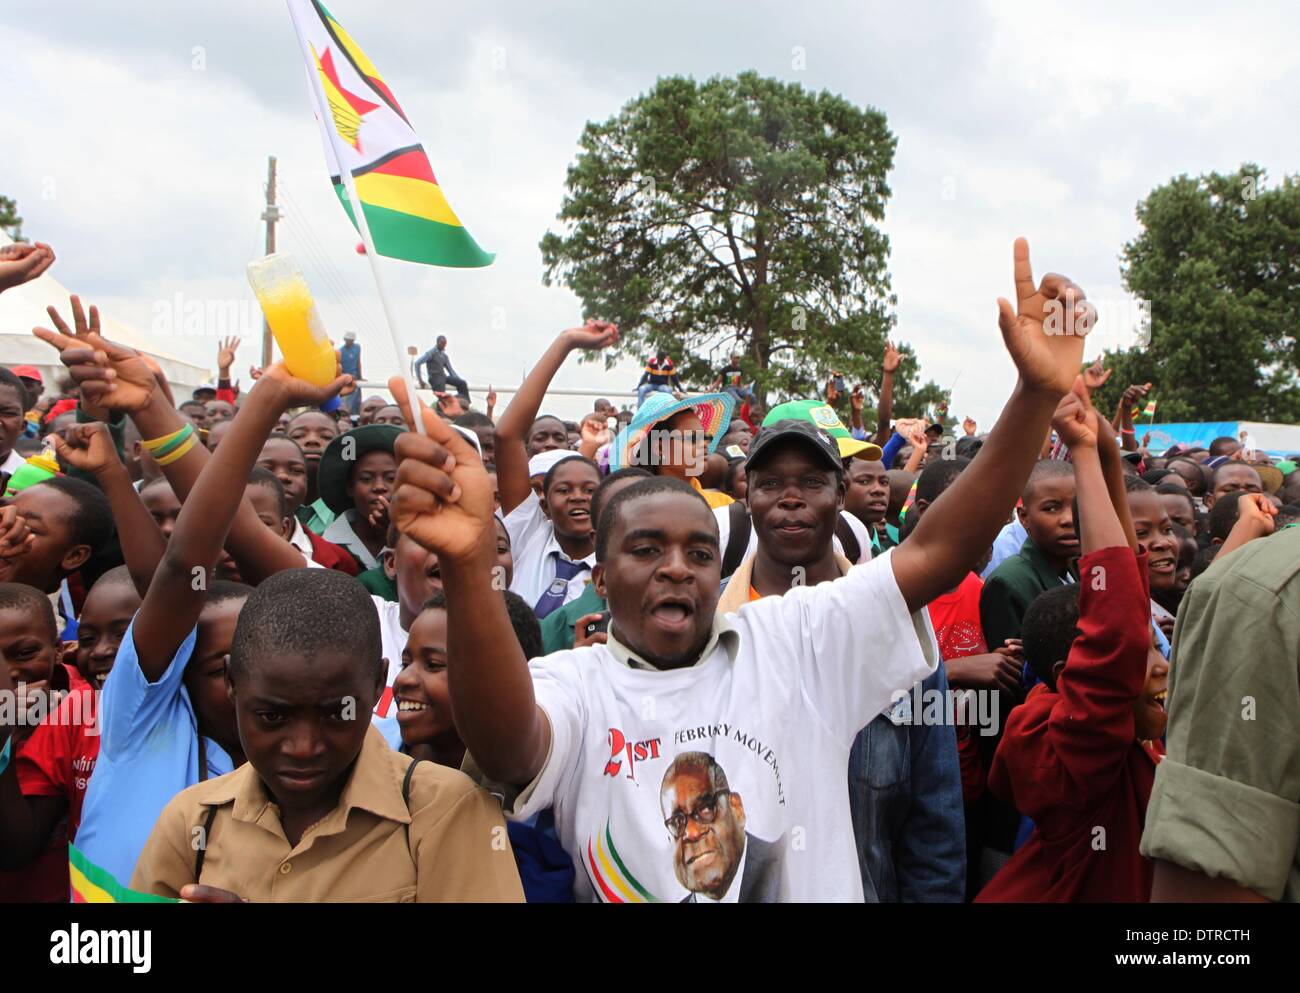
(136, 136)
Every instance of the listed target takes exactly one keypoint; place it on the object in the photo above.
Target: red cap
(28, 372)
(62, 407)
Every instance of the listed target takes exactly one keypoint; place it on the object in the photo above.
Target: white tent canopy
(23, 308)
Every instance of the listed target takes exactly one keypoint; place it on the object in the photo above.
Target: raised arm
(176, 595)
(443, 502)
(1080, 427)
(90, 449)
(885, 409)
(959, 526)
(512, 429)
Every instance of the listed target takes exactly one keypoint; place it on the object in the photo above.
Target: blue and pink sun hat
(713, 409)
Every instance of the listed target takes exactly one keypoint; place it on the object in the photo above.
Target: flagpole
(399, 348)
(359, 216)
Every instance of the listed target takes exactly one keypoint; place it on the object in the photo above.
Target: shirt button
(286, 868)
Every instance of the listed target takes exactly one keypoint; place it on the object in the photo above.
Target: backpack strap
(406, 799)
(737, 537)
(848, 539)
(406, 783)
(207, 840)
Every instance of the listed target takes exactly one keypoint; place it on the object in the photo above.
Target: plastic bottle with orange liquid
(295, 323)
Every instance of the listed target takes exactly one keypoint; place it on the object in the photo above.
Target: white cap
(540, 464)
(350, 336)
(471, 437)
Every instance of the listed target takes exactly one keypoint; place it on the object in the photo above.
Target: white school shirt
(393, 636)
(340, 532)
(300, 541)
(534, 549)
(723, 516)
(781, 691)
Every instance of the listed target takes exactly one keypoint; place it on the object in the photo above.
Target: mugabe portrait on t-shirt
(713, 854)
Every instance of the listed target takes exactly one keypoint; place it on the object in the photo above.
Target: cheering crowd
(700, 650)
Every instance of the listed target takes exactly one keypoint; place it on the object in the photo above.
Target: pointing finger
(1024, 273)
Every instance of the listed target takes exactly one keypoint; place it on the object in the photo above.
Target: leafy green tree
(1219, 260)
(737, 215)
(10, 223)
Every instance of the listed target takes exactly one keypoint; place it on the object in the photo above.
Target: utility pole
(270, 215)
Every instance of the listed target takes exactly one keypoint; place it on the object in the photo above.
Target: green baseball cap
(822, 415)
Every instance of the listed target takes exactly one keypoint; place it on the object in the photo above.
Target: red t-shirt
(56, 760)
(955, 617)
(956, 620)
(59, 757)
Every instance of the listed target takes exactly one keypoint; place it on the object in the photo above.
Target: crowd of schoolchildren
(702, 649)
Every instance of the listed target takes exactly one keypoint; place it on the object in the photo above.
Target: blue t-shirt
(350, 359)
(149, 752)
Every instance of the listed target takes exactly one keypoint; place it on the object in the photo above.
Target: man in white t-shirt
(774, 693)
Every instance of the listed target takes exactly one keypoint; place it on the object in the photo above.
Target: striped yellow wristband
(167, 441)
(186, 444)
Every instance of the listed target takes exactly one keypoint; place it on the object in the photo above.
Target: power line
(319, 255)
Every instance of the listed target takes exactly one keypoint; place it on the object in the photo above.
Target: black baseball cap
(813, 437)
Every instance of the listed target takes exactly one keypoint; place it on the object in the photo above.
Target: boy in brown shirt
(323, 810)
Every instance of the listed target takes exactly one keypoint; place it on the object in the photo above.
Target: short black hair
(729, 480)
(222, 590)
(308, 612)
(528, 630)
(19, 596)
(627, 472)
(117, 576)
(937, 476)
(641, 488)
(1045, 469)
(473, 419)
(1222, 445)
(1203, 559)
(1288, 514)
(550, 473)
(1136, 484)
(1223, 515)
(279, 436)
(1154, 476)
(543, 417)
(192, 403)
(1050, 626)
(266, 478)
(156, 481)
(9, 378)
(92, 524)
(1225, 466)
(1168, 489)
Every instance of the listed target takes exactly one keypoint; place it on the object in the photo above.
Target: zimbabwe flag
(366, 132)
(92, 884)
